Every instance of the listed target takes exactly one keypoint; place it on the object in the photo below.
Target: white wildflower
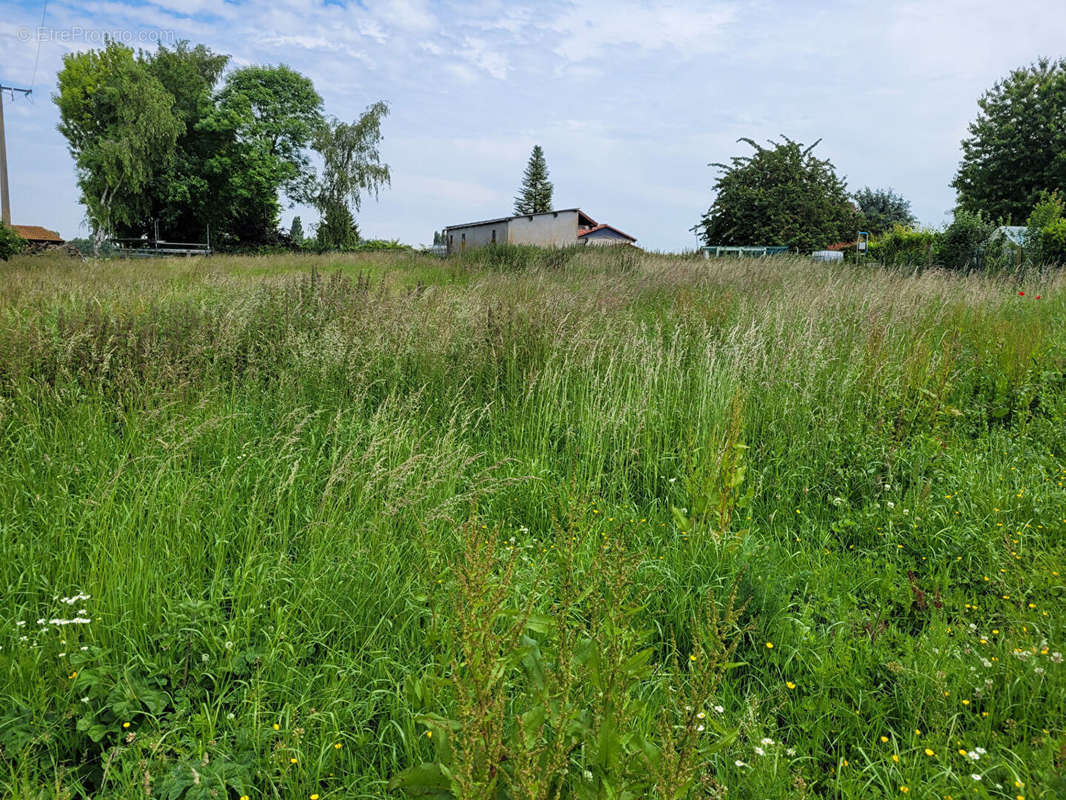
(1056, 657)
(791, 751)
(85, 699)
(980, 750)
(84, 647)
(890, 504)
(20, 624)
(759, 751)
(767, 741)
(740, 763)
(229, 645)
(976, 777)
(699, 729)
(719, 709)
(1039, 670)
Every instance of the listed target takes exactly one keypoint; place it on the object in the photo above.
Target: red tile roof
(605, 227)
(35, 233)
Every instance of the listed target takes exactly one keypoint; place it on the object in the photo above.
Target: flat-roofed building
(566, 227)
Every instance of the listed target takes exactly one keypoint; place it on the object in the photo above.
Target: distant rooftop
(587, 219)
(35, 233)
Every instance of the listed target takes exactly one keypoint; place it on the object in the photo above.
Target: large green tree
(1017, 145)
(157, 143)
(351, 166)
(268, 118)
(535, 194)
(780, 195)
(121, 129)
(185, 197)
(883, 209)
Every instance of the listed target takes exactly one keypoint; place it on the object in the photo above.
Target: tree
(120, 129)
(535, 194)
(351, 166)
(883, 210)
(296, 231)
(780, 195)
(185, 198)
(265, 120)
(10, 242)
(1017, 145)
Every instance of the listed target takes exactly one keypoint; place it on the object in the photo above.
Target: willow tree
(351, 167)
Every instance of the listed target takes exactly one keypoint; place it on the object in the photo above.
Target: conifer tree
(535, 195)
(296, 232)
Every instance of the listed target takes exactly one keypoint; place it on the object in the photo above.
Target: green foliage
(324, 505)
(1015, 147)
(121, 130)
(1044, 238)
(781, 195)
(883, 210)
(904, 247)
(337, 229)
(11, 243)
(351, 166)
(535, 193)
(158, 145)
(188, 194)
(962, 243)
(296, 231)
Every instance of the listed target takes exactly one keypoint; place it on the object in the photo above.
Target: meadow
(530, 525)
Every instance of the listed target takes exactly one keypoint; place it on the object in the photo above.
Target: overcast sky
(629, 99)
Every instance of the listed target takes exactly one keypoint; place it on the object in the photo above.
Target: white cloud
(589, 30)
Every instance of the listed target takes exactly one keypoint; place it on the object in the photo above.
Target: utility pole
(5, 201)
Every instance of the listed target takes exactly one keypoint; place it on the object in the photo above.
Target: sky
(630, 100)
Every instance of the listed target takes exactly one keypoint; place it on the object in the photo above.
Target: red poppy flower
(1021, 294)
(1038, 297)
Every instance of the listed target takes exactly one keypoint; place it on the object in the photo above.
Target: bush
(10, 242)
(961, 245)
(904, 247)
(1046, 239)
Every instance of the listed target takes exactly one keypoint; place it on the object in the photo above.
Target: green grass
(517, 526)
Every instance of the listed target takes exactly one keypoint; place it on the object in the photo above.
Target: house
(36, 236)
(566, 227)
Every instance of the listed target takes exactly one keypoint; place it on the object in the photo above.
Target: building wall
(475, 236)
(601, 238)
(558, 229)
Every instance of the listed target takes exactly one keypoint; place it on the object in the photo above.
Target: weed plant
(532, 526)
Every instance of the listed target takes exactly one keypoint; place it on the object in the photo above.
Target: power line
(40, 35)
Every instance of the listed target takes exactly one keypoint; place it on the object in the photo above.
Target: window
(494, 236)
(462, 242)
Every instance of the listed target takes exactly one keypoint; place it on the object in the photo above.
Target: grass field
(550, 526)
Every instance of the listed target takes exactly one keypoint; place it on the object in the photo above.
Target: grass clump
(625, 526)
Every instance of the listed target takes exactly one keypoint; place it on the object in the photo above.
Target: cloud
(593, 29)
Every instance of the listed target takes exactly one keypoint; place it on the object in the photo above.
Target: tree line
(170, 141)
(1013, 172)
(161, 140)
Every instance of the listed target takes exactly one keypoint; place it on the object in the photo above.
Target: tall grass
(584, 526)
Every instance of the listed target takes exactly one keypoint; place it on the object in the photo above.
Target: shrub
(961, 244)
(905, 247)
(10, 242)
(1046, 238)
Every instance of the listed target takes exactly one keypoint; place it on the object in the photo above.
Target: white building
(564, 228)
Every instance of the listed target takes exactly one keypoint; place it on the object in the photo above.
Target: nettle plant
(576, 699)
